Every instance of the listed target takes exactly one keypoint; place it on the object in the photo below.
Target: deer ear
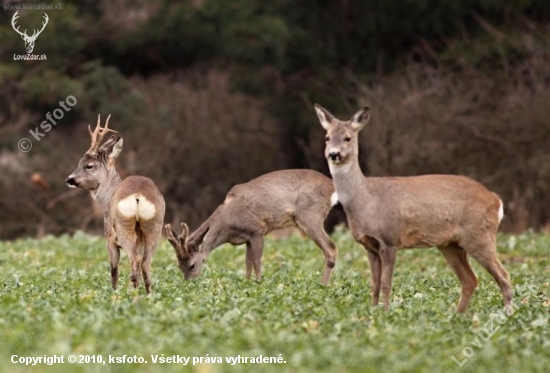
(360, 119)
(107, 145)
(195, 240)
(115, 148)
(325, 117)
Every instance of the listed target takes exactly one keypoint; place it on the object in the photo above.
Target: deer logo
(29, 40)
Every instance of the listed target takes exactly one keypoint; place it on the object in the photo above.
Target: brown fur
(455, 213)
(288, 198)
(96, 172)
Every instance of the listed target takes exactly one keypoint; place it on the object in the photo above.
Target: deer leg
(375, 275)
(387, 257)
(146, 269)
(457, 259)
(128, 243)
(135, 261)
(114, 259)
(135, 264)
(151, 242)
(249, 260)
(485, 253)
(314, 230)
(257, 247)
(375, 267)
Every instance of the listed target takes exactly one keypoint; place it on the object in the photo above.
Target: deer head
(342, 146)
(97, 162)
(190, 258)
(29, 40)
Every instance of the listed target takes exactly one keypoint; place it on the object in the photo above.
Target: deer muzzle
(71, 182)
(335, 156)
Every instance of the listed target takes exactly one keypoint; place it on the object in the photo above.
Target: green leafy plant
(55, 299)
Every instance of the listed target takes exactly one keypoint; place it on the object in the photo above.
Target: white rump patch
(334, 199)
(500, 212)
(136, 206)
(128, 206)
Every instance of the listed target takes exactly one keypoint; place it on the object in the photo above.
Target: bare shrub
(200, 140)
(194, 137)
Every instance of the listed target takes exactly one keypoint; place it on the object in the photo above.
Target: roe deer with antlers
(133, 208)
(288, 198)
(455, 213)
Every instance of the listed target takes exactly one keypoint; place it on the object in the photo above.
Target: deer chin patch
(339, 168)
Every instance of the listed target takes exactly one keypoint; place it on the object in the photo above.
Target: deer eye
(89, 166)
(192, 266)
(327, 138)
(347, 139)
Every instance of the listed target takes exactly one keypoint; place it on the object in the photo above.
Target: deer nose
(71, 182)
(334, 156)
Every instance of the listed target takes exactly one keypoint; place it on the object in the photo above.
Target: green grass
(56, 299)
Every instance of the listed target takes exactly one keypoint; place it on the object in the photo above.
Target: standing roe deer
(287, 198)
(455, 213)
(133, 208)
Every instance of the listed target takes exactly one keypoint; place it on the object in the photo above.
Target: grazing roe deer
(287, 198)
(455, 213)
(133, 208)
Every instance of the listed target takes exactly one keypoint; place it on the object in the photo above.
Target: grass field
(56, 299)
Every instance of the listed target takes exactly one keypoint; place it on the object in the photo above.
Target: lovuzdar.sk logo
(29, 40)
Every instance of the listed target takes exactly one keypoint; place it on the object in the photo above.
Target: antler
(179, 243)
(35, 34)
(15, 16)
(98, 134)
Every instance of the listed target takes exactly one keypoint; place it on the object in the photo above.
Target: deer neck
(349, 183)
(107, 188)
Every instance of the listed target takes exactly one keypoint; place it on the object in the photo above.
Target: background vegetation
(56, 299)
(211, 93)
